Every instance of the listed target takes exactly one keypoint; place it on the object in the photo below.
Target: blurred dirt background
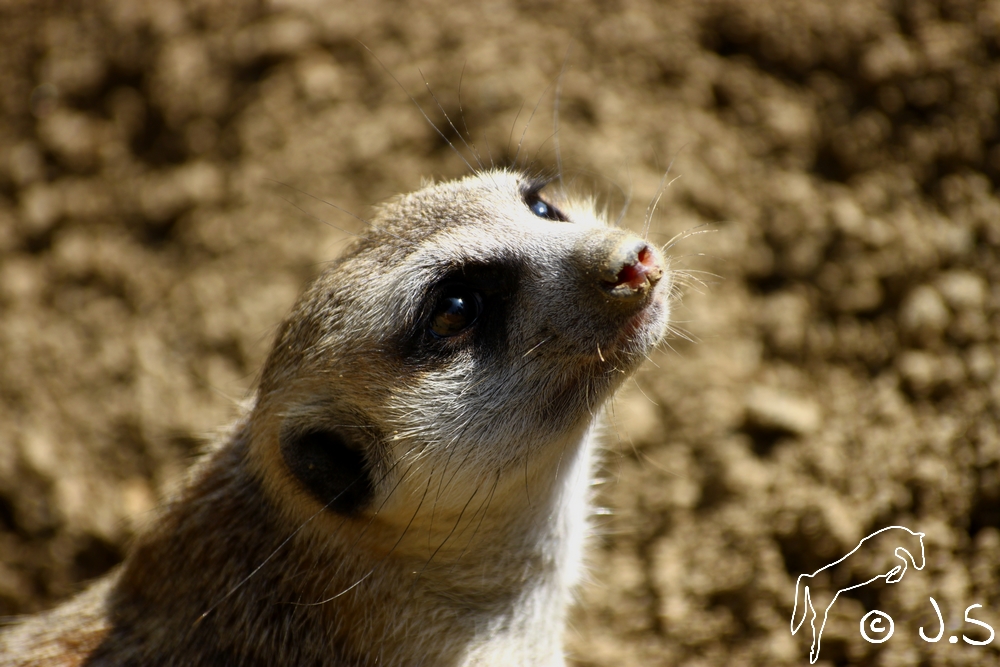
(844, 374)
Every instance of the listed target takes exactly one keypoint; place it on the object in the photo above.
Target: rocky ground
(842, 369)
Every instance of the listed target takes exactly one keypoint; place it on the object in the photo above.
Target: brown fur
(464, 538)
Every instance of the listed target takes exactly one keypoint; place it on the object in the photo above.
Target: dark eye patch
(465, 309)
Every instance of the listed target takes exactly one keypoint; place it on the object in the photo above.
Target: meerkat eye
(543, 209)
(457, 309)
(540, 208)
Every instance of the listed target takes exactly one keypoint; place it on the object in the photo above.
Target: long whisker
(527, 125)
(327, 222)
(330, 204)
(555, 115)
(461, 112)
(420, 109)
(651, 209)
(384, 558)
(628, 197)
(703, 228)
(510, 137)
(472, 149)
(458, 521)
(487, 502)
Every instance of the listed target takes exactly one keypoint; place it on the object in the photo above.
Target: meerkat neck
(499, 598)
(492, 587)
(556, 525)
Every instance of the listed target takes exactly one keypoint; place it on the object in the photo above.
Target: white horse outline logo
(892, 576)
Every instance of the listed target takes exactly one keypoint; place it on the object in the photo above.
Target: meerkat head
(475, 331)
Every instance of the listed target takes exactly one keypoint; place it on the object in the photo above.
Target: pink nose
(632, 268)
(639, 274)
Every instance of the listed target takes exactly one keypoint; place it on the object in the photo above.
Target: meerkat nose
(632, 267)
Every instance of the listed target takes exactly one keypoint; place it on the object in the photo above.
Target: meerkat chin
(410, 483)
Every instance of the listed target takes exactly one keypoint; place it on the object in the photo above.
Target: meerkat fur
(410, 483)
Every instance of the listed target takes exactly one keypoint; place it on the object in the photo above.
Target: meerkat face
(473, 333)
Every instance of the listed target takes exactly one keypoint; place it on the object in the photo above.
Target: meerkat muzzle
(632, 268)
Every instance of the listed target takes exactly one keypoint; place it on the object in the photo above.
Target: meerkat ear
(333, 471)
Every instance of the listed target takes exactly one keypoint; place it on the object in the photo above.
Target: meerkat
(410, 483)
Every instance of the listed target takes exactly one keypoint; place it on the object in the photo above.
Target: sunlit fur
(480, 459)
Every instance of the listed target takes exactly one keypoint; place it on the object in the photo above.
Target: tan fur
(477, 451)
